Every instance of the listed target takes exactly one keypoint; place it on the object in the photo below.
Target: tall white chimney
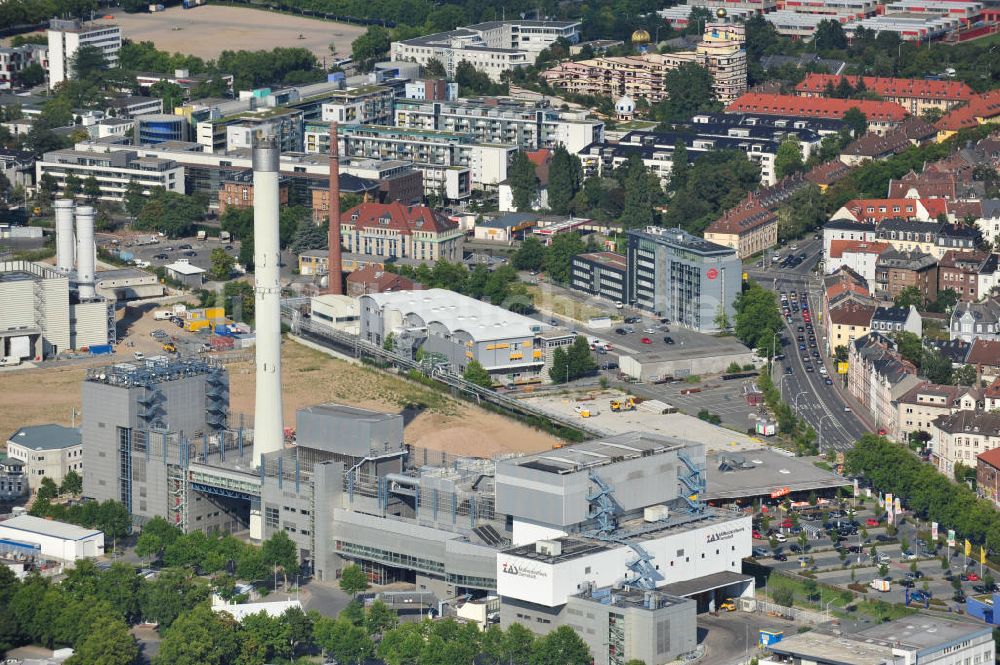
(64, 235)
(85, 252)
(268, 433)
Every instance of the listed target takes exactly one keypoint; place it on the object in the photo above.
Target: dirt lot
(434, 420)
(209, 30)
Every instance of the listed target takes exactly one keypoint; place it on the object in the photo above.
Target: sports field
(209, 30)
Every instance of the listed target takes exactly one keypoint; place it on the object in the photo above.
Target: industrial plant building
(686, 279)
(511, 347)
(47, 539)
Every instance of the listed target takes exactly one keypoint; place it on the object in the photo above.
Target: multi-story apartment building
(689, 280)
(451, 162)
(369, 105)
(66, 36)
(530, 126)
(13, 482)
(849, 320)
(285, 125)
(959, 271)
(394, 230)
(14, 59)
(988, 475)
(842, 9)
(750, 227)
(721, 52)
(926, 402)
(237, 191)
(915, 95)
(877, 377)
(493, 47)
(976, 320)
(656, 149)
(603, 274)
(882, 116)
(962, 437)
(895, 271)
(47, 451)
(113, 171)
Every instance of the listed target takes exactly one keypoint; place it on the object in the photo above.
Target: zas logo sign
(522, 571)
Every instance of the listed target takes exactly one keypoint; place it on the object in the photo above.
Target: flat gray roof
(920, 632)
(589, 454)
(46, 437)
(769, 471)
(823, 648)
(704, 583)
(344, 411)
(42, 527)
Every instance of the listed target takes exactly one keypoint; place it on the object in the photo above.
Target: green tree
(691, 90)
(171, 94)
(579, 359)
(757, 316)
(434, 68)
(343, 641)
(788, 159)
(830, 36)
(642, 194)
(172, 213)
(680, 167)
(222, 264)
(909, 295)
(135, 198)
(308, 235)
(370, 46)
(477, 374)
(783, 596)
(965, 375)
(353, 580)
(199, 637)
(523, 182)
(239, 300)
(559, 256)
(530, 255)
(47, 490)
(72, 186)
(936, 367)
(402, 645)
(560, 647)
(565, 180)
(72, 483)
(279, 550)
(108, 642)
(88, 63)
(856, 121)
(559, 371)
(30, 76)
(380, 618)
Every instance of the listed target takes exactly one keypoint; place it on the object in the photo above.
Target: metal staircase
(604, 510)
(602, 506)
(692, 483)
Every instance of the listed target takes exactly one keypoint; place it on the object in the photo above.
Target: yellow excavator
(626, 404)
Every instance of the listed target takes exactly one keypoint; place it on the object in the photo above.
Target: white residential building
(113, 171)
(48, 451)
(14, 59)
(492, 47)
(67, 36)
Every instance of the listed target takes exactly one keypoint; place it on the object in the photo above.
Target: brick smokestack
(335, 263)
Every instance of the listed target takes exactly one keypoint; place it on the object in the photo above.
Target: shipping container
(101, 349)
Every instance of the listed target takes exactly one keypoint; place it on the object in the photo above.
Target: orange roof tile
(887, 86)
(986, 105)
(817, 107)
(395, 215)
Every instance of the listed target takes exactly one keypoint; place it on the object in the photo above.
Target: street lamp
(781, 387)
(796, 401)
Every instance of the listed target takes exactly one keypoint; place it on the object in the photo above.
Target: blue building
(156, 128)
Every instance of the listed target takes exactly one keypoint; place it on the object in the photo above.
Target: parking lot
(859, 567)
(722, 398)
(598, 404)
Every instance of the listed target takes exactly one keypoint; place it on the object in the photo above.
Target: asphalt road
(819, 404)
(731, 636)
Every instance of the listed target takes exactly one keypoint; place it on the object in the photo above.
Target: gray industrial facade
(687, 279)
(158, 436)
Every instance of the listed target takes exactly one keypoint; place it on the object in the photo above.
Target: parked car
(646, 340)
(871, 521)
(778, 556)
(668, 339)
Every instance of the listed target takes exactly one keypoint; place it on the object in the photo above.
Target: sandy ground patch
(434, 420)
(209, 30)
